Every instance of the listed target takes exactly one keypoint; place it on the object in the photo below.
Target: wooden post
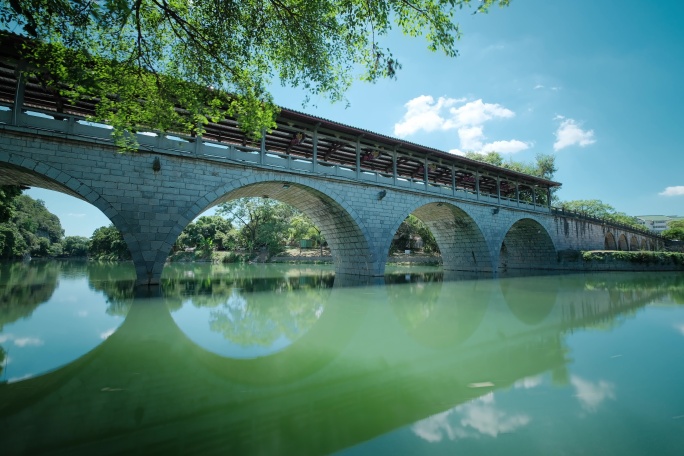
(477, 184)
(453, 180)
(517, 194)
(314, 154)
(498, 189)
(358, 158)
(18, 95)
(394, 165)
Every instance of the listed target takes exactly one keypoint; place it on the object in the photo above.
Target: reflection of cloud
(679, 327)
(5, 337)
(529, 382)
(472, 420)
(591, 394)
(82, 313)
(28, 341)
(107, 333)
(16, 379)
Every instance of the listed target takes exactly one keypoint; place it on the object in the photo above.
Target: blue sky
(597, 83)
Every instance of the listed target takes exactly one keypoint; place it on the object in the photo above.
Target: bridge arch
(633, 243)
(346, 234)
(527, 245)
(623, 245)
(461, 243)
(609, 242)
(33, 174)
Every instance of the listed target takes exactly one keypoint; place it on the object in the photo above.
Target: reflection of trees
(116, 281)
(437, 314)
(260, 319)
(415, 302)
(24, 287)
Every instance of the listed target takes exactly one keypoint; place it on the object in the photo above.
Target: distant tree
(31, 229)
(410, 229)
(674, 231)
(544, 167)
(599, 209)
(7, 195)
(261, 222)
(207, 229)
(75, 246)
(107, 243)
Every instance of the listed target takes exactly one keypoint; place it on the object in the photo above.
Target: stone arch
(343, 229)
(527, 245)
(460, 240)
(609, 242)
(622, 243)
(644, 244)
(33, 174)
(633, 243)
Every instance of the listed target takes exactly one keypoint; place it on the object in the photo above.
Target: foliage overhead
(169, 51)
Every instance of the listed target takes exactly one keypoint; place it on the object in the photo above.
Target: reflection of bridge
(363, 370)
(355, 185)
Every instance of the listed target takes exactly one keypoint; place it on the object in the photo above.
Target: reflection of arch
(644, 244)
(460, 241)
(452, 315)
(531, 299)
(650, 245)
(633, 243)
(622, 243)
(609, 243)
(527, 245)
(341, 226)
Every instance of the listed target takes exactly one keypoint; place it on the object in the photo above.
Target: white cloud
(28, 341)
(591, 395)
(423, 113)
(538, 86)
(71, 214)
(506, 147)
(472, 420)
(569, 133)
(677, 190)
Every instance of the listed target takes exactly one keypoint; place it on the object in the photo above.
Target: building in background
(657, 223)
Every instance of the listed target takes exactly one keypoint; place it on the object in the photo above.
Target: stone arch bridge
(355, 185)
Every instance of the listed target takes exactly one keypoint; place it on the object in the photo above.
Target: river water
(278, 359)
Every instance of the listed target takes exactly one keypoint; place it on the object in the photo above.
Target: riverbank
(311, 256)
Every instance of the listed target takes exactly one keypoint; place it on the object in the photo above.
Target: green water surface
(292, 360)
